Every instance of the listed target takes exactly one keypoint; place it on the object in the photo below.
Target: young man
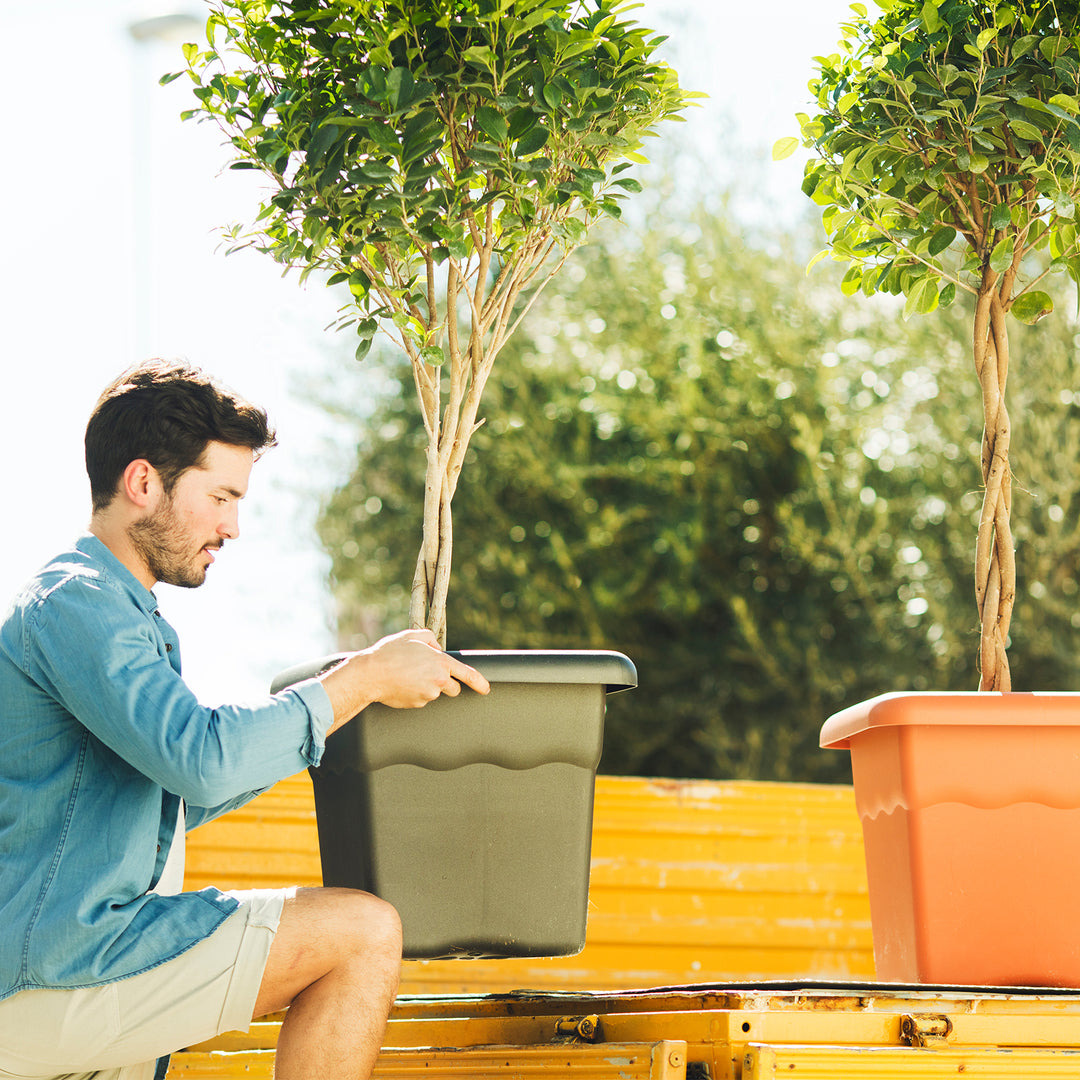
(106, 757)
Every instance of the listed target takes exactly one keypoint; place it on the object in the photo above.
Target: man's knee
(325, 931)
(375, 924)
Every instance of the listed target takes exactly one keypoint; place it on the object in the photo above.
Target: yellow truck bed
(742, 904)
(740, 1033)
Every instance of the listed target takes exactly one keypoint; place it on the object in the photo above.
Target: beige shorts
(117, 1031)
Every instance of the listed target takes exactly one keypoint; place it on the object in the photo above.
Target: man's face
(177, 538)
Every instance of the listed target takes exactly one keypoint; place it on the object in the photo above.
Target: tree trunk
(995, 563)
(431, 580)
(450, 426)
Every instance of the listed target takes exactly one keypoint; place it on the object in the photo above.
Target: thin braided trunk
(995, 562)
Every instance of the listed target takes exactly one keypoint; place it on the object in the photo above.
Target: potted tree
(442, 158)
(946, 159)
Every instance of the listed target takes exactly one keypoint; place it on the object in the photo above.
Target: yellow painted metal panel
(271, 843)
(878, 1063)
(664, 1060)
(220, 1065)
(261, 1036)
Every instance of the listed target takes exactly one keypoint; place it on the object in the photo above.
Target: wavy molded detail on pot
(879, 808)
(868, 813)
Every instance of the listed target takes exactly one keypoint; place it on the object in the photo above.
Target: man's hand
(404, 671)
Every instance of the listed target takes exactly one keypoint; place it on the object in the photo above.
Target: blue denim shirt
(100, 739)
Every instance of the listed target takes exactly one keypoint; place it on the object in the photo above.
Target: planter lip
(612, 669)
(952, 708)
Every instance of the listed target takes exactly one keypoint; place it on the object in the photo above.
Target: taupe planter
(473, 815)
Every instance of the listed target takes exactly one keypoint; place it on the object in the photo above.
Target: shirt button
(168, 646)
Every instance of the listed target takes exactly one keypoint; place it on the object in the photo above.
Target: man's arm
(404, 671)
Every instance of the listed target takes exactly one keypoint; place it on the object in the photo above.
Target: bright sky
(112, 204)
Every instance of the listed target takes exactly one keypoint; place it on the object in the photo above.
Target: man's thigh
(127, 1025)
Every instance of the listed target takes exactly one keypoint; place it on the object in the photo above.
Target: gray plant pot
(473, 815)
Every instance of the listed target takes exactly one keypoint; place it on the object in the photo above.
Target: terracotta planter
(970, 807)
(473, 815)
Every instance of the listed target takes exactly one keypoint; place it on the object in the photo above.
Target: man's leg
(335, 963)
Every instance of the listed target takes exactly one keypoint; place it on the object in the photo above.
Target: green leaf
(922, 297)
(363, 348)
(482, 55)
(1002, 255)
(1000, 217)
(852, 281)
(784, 148)
(985, 38)
(941, 240)
(433, 355)
(532, 141)
(399, 84)
(492, 123)
(1023, 45)
(845, 104)
(359, 283)
(552, 94)
(1030, 307)
(1026, 131)
(1064, 205)
(1049, 47)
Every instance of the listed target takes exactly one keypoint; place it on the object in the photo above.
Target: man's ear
(140, 484)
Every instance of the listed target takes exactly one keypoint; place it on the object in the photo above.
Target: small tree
(442, 158)
(948, 150)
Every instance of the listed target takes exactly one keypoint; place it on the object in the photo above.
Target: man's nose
(230, 524)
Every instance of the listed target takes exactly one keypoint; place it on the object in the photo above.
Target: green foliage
(948, 161)
(762, 495)
(400, 133)
(440, 158)
(948, 144)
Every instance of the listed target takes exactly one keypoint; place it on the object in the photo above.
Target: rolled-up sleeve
(107, 662)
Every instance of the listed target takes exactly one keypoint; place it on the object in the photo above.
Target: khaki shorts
(117, 1031)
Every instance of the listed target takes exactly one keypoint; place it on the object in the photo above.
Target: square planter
(970, 808)
(473, 815)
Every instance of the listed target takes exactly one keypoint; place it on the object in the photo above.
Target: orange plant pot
(970, 808)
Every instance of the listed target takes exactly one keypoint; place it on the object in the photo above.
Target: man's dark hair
(165, 412)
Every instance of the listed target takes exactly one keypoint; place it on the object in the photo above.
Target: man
(106, 756)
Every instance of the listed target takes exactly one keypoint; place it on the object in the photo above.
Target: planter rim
(951, 708)
(611, 669)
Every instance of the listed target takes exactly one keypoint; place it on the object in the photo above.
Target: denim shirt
(100, 739)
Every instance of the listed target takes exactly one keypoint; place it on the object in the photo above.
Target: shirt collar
(94, 549)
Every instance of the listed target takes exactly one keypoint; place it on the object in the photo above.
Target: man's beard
(167, 550)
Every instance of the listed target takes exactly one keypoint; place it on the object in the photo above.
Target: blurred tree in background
(761, 493)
